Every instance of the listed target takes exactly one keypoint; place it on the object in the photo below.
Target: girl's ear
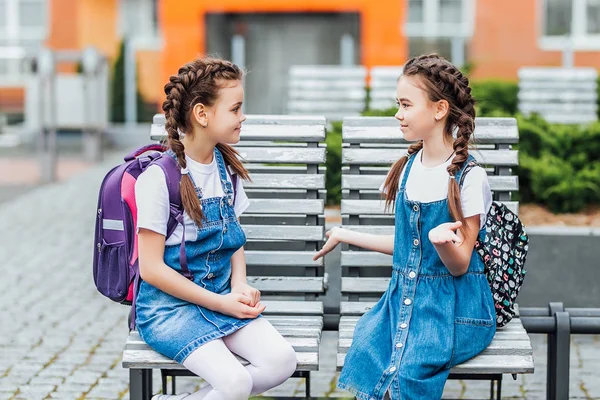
(199, 115)
(442, 109)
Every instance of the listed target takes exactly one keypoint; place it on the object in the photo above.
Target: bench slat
(364, 259)
(387, 130)
(366, 156)
(287, 284)
(275, 155)
(283, 307)
(293, 128)
(365, 285)
(496, 348)
(282, 258)
(286, 181)
(283, 232)
(500, 335)
(145, 359)
(286, 206)
(483, 364)
(376, 207)
(300, 344)
(374, 182)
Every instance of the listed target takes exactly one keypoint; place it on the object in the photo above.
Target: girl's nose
(399, 115)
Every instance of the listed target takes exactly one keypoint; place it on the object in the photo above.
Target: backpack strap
(172, 173)
(234, 182)
(471, 163)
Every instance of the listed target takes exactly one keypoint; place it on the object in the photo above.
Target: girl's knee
(239, 386)
(283, 363)
(289, 360)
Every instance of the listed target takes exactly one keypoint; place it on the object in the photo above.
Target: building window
(441, 26)
(23, 29)
(571, 24)
(139, 20)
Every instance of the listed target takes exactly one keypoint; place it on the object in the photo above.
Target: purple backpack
(116, 269)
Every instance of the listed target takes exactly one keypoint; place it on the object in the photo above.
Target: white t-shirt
(152, 198)
(431, 184)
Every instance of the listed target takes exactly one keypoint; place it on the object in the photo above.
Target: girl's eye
(404, 105)
(236, 109)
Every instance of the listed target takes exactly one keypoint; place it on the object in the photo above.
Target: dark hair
(442, 81)
(196, 82)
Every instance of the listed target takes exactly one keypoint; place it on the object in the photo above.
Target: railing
(559, 323)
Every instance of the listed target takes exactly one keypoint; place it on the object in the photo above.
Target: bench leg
(499, 391)
(307, 383)
(140, 384)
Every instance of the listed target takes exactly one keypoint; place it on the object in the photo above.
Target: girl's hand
(248, 291)
(238, 305)
(445, 233)
(332, 241)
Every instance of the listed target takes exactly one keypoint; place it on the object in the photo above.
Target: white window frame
(431, 28)
(459, 32)
(149, 38)
(579, 40)
(11, 36)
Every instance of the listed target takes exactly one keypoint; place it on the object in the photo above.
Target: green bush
(145, 111)
(559, 165)
(495, 98)
(333, 174)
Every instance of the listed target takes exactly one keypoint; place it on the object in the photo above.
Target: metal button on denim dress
(175, 327)
(427, 321)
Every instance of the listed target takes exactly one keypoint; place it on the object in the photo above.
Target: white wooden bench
(284, 226)
(370, 146)
(560, 95)
(383, 87)
(331, 90)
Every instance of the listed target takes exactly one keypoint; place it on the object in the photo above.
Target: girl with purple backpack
(205, 319)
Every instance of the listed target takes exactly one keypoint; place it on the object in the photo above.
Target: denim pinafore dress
(427, 321)
(175, 327)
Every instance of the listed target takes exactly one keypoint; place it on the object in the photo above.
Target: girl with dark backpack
(438, 310)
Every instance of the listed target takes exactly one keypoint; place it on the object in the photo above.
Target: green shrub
(333, 174)
(495, 98)
(559, 165)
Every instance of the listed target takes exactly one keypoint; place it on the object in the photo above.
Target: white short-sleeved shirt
(152, 198)
(431, 184)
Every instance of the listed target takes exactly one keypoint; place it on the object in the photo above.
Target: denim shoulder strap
(407, 167)
(227, 188)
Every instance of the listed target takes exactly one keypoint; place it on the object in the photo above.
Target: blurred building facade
(495, 38)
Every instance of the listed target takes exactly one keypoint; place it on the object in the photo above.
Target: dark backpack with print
(503, 252)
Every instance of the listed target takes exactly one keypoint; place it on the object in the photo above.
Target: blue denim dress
(175, 327)
(427, 321)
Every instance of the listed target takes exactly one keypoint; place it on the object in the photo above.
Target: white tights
(272, 361)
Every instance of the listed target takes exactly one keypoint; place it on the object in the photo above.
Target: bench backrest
(561, 95)
(370, 146)
(284, 224)
(383, 87)
(333, 91)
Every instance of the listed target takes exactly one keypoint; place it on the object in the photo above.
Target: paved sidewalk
(60, 339)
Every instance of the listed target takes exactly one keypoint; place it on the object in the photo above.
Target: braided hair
(442, 81)
(196, 82)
